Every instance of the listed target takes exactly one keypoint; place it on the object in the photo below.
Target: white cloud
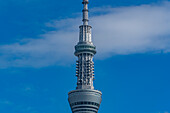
(132, 30)
(116, 31)
(53, 47)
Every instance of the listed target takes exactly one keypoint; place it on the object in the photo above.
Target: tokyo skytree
(85, 99)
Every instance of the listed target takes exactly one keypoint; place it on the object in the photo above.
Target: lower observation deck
(85, 101)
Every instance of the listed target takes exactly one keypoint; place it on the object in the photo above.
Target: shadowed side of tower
(85, 99)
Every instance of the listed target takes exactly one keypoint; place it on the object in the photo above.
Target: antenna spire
(85, 12)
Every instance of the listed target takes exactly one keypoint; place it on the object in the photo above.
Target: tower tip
(85, 12)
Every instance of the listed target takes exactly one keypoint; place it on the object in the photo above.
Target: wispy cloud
(5, 102)
(51, 48)
(164, 112)
(116, 31)
(132, 30)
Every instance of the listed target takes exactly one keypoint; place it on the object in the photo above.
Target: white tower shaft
(85, 99)
(85, 51)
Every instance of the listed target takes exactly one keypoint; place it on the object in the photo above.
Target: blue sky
(37, 65)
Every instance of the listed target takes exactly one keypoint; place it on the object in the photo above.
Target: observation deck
(85, 48)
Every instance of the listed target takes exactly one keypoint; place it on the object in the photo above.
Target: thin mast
(85, 12)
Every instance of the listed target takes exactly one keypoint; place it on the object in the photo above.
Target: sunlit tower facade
(85, 99)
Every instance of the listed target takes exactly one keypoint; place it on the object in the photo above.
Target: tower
(85, 99)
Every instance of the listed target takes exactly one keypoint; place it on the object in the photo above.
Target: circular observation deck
(85, 101)
(85, 48)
